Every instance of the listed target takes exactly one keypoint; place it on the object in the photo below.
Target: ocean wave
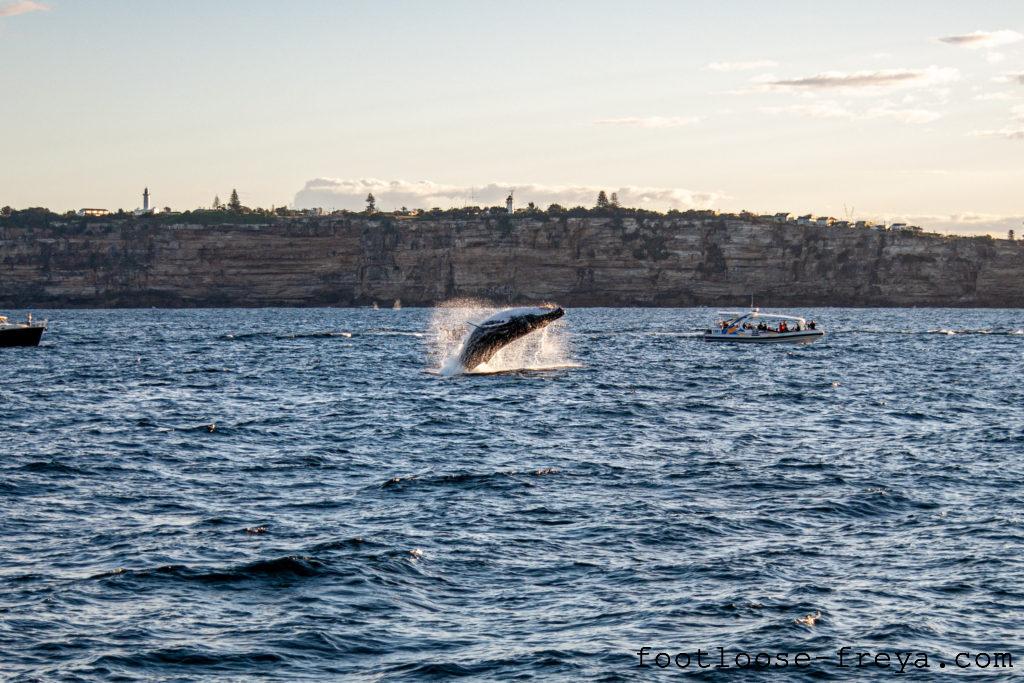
(940, 331)
(378, 332)
(353, 543)
(206, 370)
(502, 479)
(285, 567)
(189, 657)
(244, 336)
(872, 502)
(53, 467)
(315, 335)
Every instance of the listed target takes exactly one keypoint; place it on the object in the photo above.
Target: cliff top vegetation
(236, 214)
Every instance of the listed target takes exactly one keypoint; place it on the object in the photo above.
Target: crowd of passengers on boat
(782, 327)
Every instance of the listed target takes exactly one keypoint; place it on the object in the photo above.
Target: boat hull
(802, 337)
(21, 336)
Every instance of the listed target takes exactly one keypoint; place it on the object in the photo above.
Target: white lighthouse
(508, 201)
(145, 204)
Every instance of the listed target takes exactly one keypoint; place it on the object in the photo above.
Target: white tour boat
(761, 328)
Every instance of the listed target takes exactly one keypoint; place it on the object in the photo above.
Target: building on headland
(783, 217)
(824, 221)
(92, 212)
(146, 209)
(805, 220)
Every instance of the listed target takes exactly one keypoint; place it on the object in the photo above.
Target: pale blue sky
(556, 98)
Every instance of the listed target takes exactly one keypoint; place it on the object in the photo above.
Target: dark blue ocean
(297, 495)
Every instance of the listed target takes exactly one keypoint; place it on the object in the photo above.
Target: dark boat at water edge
(27, 333)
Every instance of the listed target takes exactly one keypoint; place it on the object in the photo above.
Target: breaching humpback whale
(503, 328)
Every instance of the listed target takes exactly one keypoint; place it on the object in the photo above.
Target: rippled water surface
(190, 494)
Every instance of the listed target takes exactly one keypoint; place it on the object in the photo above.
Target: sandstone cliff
(345, 261)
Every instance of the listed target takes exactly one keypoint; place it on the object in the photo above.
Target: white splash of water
(545, 349)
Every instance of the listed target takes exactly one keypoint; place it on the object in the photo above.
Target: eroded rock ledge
(351, 261)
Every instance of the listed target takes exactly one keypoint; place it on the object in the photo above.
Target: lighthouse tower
(145, 210)
(508, 201)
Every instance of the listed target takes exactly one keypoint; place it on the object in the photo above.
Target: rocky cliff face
(573, 261)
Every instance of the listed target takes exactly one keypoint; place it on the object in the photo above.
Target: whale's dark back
(501, 330)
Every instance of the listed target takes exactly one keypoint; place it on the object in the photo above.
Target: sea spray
(450, 326)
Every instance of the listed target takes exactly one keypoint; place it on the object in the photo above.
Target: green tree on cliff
(371, 203)
(7, 211)
(602, 200)
(216, 201)
(234, 203)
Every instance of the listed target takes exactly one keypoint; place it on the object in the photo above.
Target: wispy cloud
(834, 110)
(1001, 95)
(956, 224)
(1015, 131)
(925, 171)
(983, 39)
(17, 7)
(741, 66)
(650, 121)
(964, 223)
(813, 110)
(1007, 133)
(903, 115)
(881, 79)
(1017, 78)
(351, 194)
(836, 79)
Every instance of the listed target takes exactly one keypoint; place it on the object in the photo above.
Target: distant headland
(602, 256)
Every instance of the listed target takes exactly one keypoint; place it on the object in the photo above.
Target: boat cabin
(755, 326)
